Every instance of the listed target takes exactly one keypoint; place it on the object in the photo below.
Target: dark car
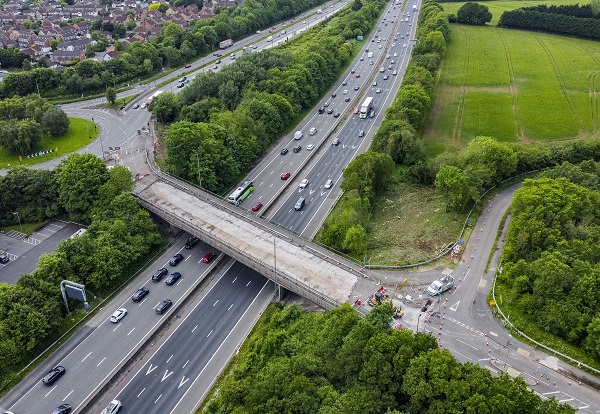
(62, 409)
(191, 242)
(159, 274)
(188, 66)
(163, 306)
(284, 151)
(208, 257)
(176, 259)
(257, 206)
(140, 294)
(173, 278)
(183, 79)
(3, 257)
(54, 374)
(337, 115)
(330, 111)
(333, 95)
(297, 148)
(335, 142)
(347, 99)
(321, 110)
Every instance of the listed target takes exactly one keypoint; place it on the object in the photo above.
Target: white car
(329, 184)
(143, 105)
(303, 183)
(118, 315)
(345, 92)
(395, 54)
(310, 147)
(113, 407)
(312, 131)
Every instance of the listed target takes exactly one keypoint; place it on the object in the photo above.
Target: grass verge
(81, 133)
(25, 228)
(121, 102)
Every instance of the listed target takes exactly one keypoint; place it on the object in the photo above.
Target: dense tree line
(336, 362)
(551, 260)
(575, 10)
(226, 120)
(396, 141)
(588, 28)
(11, 58)
(23, 120)
(174, 47)
(119, 234)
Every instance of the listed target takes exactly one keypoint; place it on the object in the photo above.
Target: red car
(257, 206)
(285, 175)
(208, 257)
(358, 75)
(352, 71)
(188, 66)
(356, 110)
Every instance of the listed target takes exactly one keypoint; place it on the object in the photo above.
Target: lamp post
(199, 179)
(418, 318)
(37, 86)
(19, 218)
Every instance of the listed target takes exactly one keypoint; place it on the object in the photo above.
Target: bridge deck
(293, 261)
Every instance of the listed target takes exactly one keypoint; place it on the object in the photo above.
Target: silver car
(113, 407)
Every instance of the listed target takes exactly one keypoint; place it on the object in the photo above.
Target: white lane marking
(211, 331)
(117, 327)
(150, 369)
(85, 357)
(194, 328)
(568, 399)
(183, 381)
(141, 392)
(166, 375)
(170, 358)
(230, 306)
(215, 304)
(455, 306)
(131, 332)
(493, 333)
(552, 392)
(155, 401)
(466, 344)
(248, 284)
(464, 356)
(186, 362)
(50, 391)
(101, 361)
(234, 279)
(67, 396)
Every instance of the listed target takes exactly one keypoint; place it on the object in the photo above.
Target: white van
(370, 54)
(270, 39)
(298, 135)
(299, 204)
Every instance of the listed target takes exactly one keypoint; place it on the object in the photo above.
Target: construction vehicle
(440, 286)
(378, 298)
(398, 313)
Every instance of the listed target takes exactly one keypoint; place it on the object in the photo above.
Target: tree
(55, 122)
(356, 240)
(79, 178)
(473, 13)
(111, 95)
(166, 107)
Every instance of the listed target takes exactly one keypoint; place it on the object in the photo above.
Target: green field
(516, 86)
(81, 133)
(499, 7)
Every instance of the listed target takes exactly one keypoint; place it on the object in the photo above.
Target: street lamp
(199, 179)
(418, 317)
(19, 218)
(37, 86)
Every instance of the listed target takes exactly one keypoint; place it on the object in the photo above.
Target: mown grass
(81, 133)
(25, 228)
(515, 86)
(521, 321)
(499, 7)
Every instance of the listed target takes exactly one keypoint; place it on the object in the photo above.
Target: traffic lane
(162, 381)
(87, 364)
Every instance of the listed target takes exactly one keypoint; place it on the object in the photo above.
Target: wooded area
(551, 259)
(119, 234)
(338, 362)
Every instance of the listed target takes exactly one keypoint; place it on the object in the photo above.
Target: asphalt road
(109, 345)
(166, 377)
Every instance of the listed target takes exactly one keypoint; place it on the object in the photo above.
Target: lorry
(225, 44)
(438, 287)
(414, 7)
(319, 11)
(151, 99)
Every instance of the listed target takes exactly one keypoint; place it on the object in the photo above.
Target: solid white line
(186, 362)
(230, 306)
(50, 391)
(215, 304)
(568, 399)
(455, 351)
(467, 344)
(552, 392)
(155, 401)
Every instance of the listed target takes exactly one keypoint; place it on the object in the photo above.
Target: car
(175, 276)
(371, 62)
(62, 409)
(183, 79)
(113, 407)
(326, 104)
(355, 87)
(176, 259)
(208, 257)
(257, 206)
(118, 315)
(335, 142)
(285, 175)
(374, 83)
(357, 75)
(296, 148)
(284, 151)
(402, 37)
(54, 374)
(58, 105)
(355, 112)
(361, 58)
(159, 274)
(395, 40)
(321, 110)
(215, 67)
(352, 71)
(345, 92)
(344, 83)
(303, 183)
(310, 147)
(218, 62)
(140, 294)
(299, 204)
(254, 46)
(392, 61)
(180, 85)
(3, 257)
(329, 184)
(143, 105)
(393, 44)
(330, 111)
(386, 77)
(380, 47)
(347, 99)
(378, 90)
(395, 54)
(191, 242)
(382, 69)
(387, 56)
(394, 73)
(312, 131)
(336, 115)
(390, 67)
(136, 106)
(361, 133)
(162, 306)
(187, 65)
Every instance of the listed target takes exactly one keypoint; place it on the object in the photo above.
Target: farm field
(499, 7)
(515, 86)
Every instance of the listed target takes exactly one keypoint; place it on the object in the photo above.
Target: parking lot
(24, 251)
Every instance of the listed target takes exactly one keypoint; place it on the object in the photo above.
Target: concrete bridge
(290, 261)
